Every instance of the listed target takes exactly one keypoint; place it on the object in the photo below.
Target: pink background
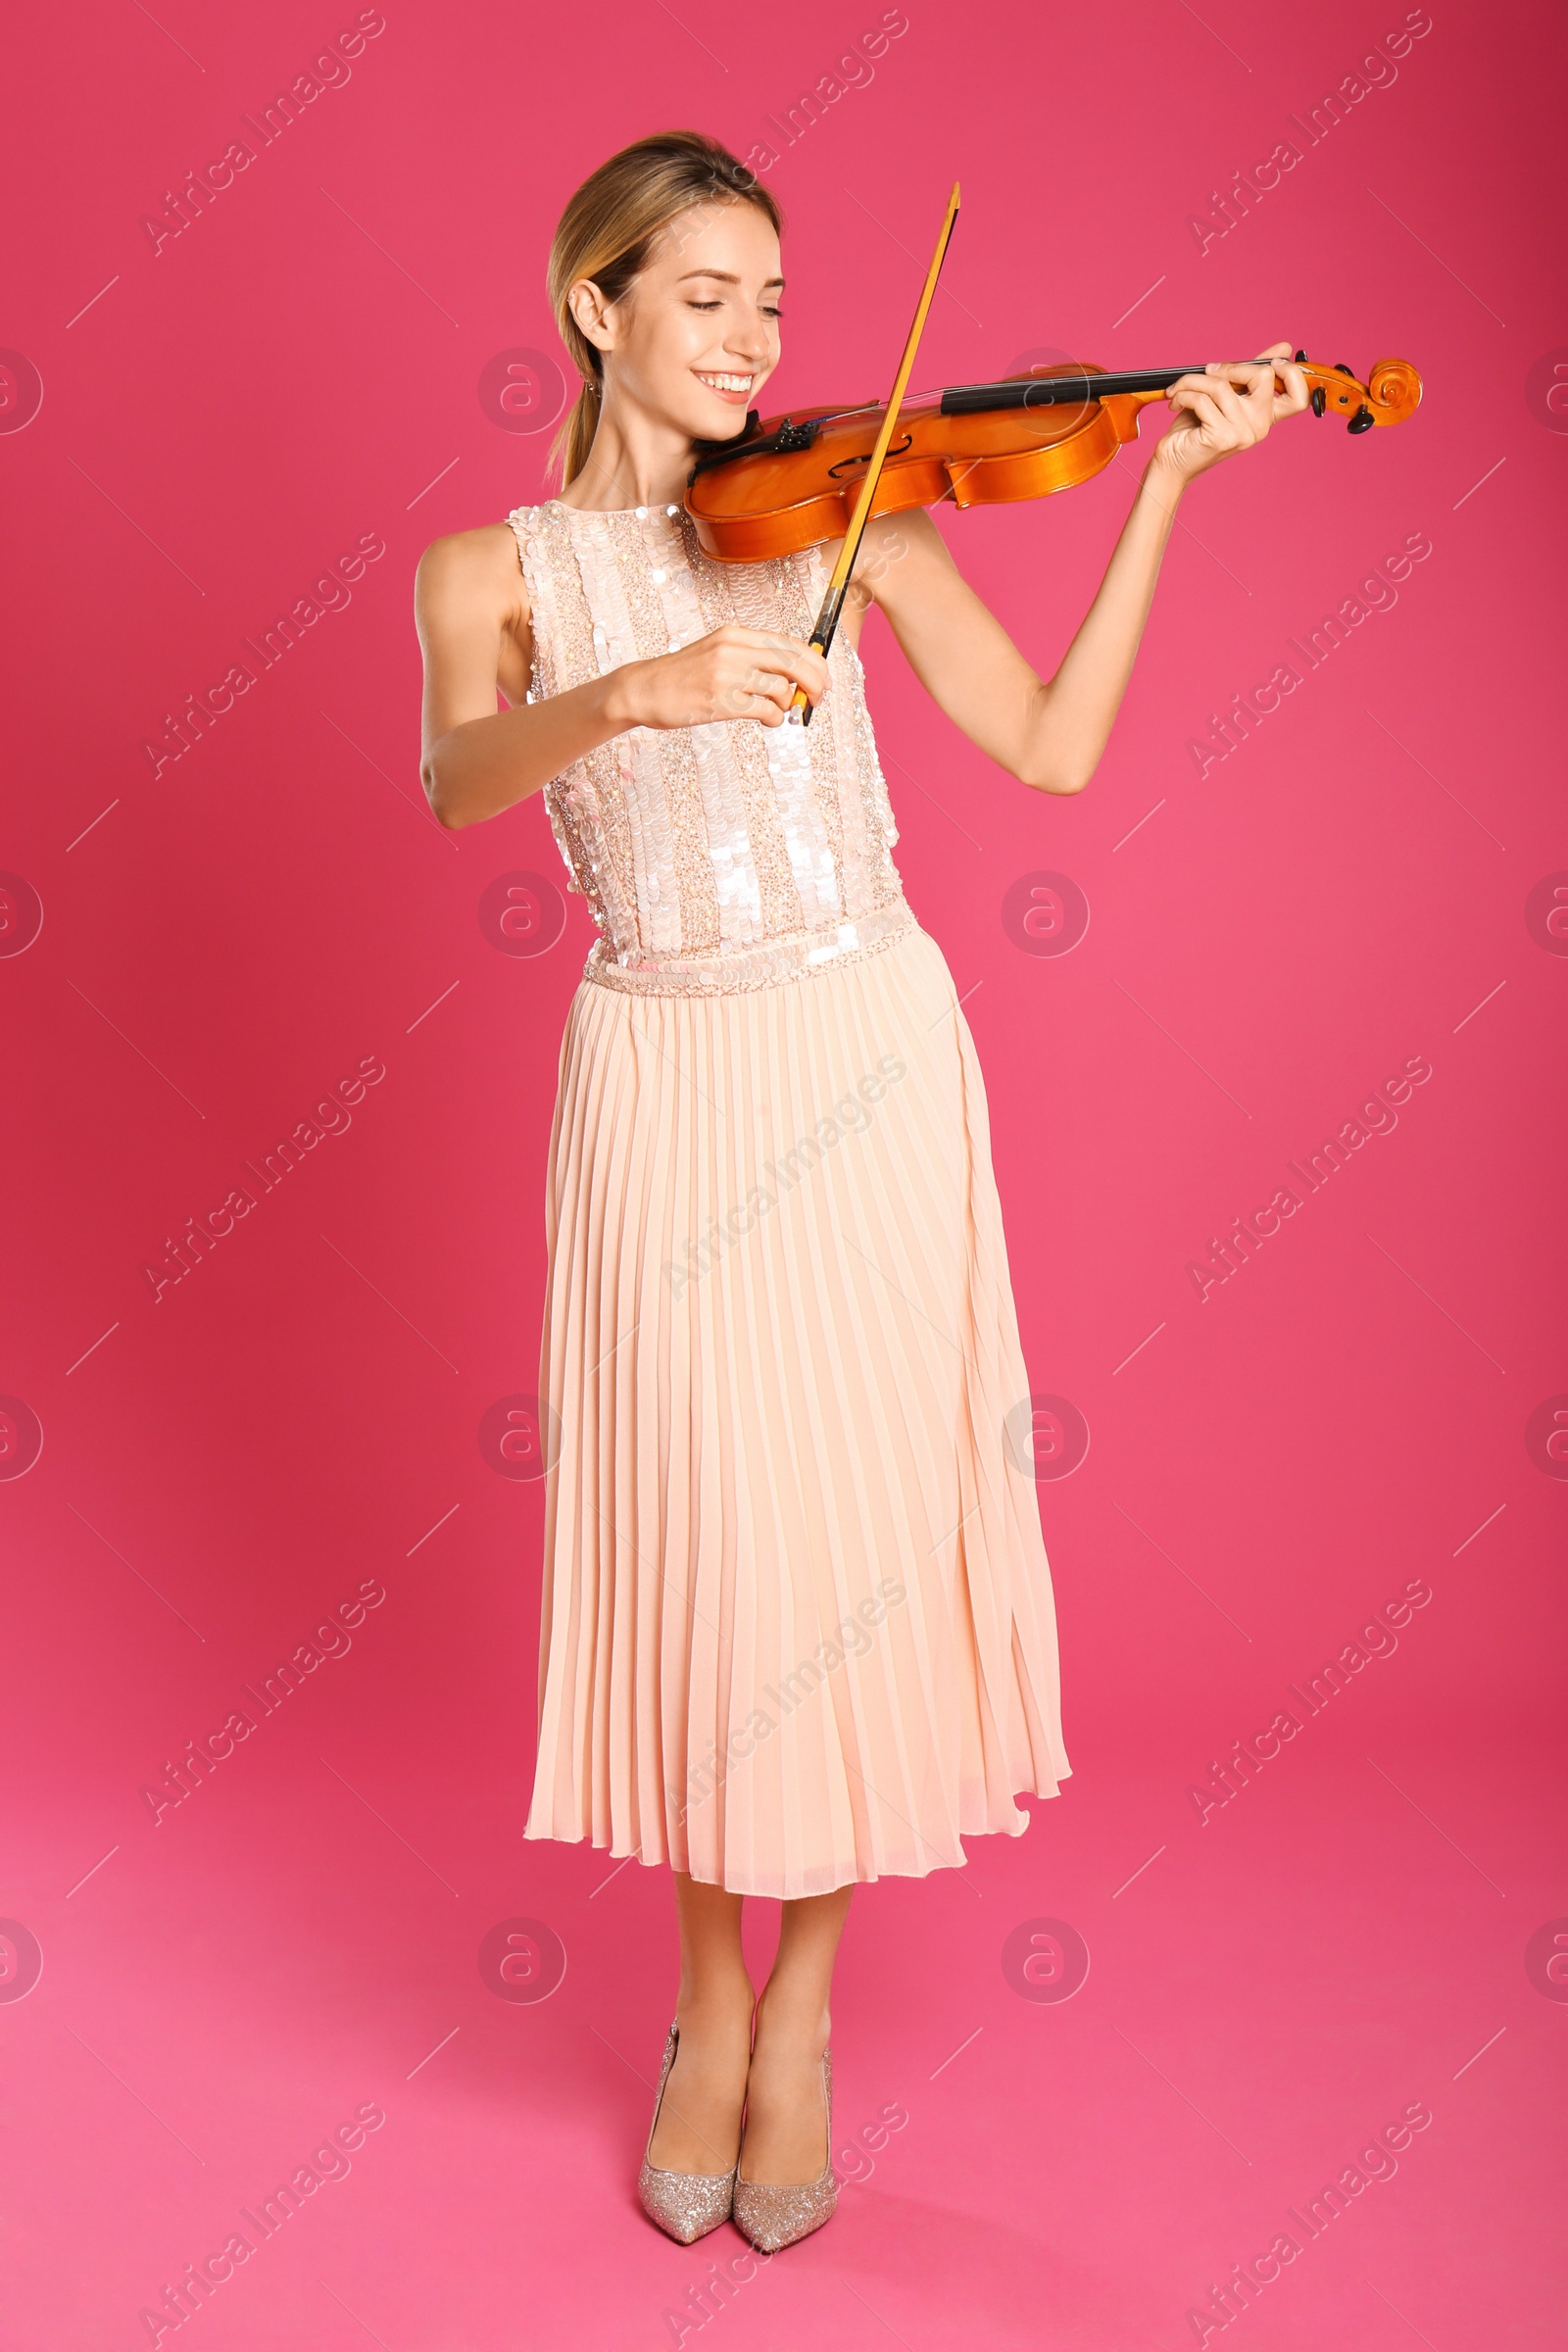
(1363, 1930)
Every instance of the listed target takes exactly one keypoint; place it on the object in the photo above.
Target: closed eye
(767, 311)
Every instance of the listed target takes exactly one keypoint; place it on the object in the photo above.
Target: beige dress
(797, 1621)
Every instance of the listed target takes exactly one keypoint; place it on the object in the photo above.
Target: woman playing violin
(796, 1622)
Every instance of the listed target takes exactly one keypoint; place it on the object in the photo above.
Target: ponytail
(575, 438)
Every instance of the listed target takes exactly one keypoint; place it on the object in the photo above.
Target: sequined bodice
(719, 856)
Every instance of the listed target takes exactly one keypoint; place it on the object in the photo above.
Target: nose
(748, 341)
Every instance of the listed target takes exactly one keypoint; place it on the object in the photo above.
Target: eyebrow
(725, 277)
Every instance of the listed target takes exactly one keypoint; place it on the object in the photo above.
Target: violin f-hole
(845, 464)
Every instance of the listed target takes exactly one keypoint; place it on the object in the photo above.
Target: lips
(728, 384)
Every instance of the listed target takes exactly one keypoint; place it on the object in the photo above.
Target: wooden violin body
(791, 483)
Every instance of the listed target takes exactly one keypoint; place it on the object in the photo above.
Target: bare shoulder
(887, 538)
(899, 554)
(469, 572)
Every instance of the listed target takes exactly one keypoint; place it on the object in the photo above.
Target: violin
(797, 482)
(792, 482)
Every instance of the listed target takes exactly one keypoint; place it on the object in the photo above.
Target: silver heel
(686, 2205)
(776, 2213)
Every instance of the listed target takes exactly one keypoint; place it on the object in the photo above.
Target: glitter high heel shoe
(775, 2213)
(687, 2205)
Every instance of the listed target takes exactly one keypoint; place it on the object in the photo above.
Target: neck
(635, 461)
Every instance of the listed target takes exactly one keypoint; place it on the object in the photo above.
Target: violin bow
(827, 621)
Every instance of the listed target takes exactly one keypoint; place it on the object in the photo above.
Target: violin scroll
(1394, 390)
(1390, 393)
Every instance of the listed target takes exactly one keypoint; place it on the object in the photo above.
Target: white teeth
(725, 383)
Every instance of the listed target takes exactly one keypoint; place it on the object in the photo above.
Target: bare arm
(472, 612)
(1050, 733)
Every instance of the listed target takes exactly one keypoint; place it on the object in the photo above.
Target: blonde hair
(606, 234)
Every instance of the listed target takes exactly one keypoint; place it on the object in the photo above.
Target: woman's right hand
(731, 673)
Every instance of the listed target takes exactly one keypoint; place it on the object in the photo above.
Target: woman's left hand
(1212, 420)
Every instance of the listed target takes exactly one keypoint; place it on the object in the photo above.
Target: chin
(704, 418)
(718, 422)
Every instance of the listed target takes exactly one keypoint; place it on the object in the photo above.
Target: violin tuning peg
(1363, 422)
(1320, 400)
(1342, 369)
(1300, 357)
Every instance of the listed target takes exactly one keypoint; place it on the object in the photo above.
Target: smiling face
(695, 336)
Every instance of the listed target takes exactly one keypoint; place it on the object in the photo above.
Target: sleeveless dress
(797, 1623)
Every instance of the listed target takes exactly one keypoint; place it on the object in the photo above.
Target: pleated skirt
(797, 1621)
